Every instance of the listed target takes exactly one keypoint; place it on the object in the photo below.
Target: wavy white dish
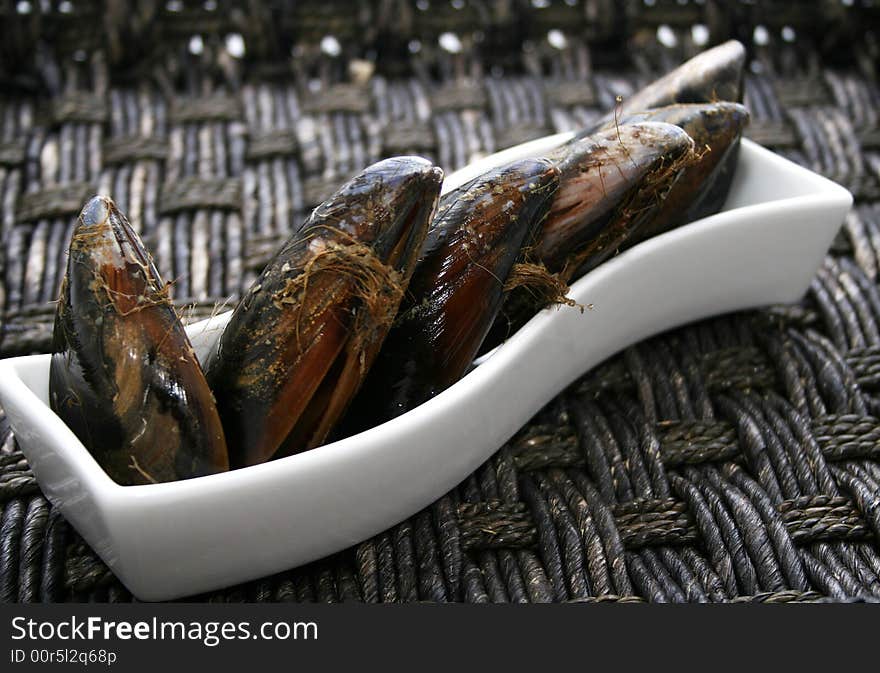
(175, 539)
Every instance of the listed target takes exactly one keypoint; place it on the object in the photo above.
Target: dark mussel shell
(709, 77)
(123, 374)
(610, 183)
(456, 289)
(299, 344)
(702, 187)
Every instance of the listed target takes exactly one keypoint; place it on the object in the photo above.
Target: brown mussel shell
(299, 344)
(123, 374)
(702, 187)
(457, 288)
(610, 183)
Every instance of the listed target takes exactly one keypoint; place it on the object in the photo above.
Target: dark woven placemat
(735, 459)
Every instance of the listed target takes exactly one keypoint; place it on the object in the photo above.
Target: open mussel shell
(123, 374)
(709, 77)
(702, 187)
(299, 344)
(457, 288)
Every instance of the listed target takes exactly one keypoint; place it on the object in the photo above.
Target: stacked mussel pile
(384, 296)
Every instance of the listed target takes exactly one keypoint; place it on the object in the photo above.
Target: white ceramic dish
(175, 539)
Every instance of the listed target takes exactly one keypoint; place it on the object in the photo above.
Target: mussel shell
(592, 213)
(711, 76)
(457, 288)
(298, 345)
(123, 374)
(702, 187)
(610, 184)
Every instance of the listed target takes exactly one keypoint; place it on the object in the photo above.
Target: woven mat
(735, 459)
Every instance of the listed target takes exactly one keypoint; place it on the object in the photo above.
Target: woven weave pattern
(735, 459)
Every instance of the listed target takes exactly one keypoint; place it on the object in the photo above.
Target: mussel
(123, 374)
(712, 75)
(300, 342)
(709, 77)
(457, 288)
(610, 184)
(702, 187)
